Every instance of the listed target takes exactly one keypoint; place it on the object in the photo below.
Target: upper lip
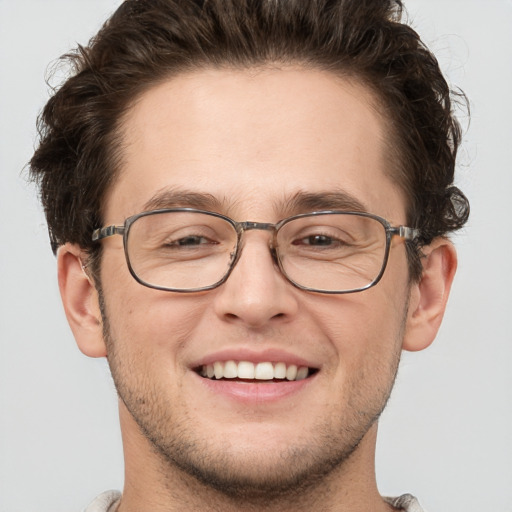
(254, 356)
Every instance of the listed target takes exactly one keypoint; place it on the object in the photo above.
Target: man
(249, 201)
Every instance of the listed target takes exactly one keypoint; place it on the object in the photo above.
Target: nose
(256, 293)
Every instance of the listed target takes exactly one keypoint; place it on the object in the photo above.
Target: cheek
(364, 330)
(367, 321)
(155, 319)
(143, 320)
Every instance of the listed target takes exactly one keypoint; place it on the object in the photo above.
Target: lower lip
(256, 392)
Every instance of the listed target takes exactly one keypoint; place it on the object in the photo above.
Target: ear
(80, 300)
(428, 297)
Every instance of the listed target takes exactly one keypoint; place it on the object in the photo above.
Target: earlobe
(429, 296)
(80, 300)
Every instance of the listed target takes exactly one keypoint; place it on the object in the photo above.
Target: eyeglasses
(190, 250)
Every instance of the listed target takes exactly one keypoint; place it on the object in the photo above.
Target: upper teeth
(258, 371)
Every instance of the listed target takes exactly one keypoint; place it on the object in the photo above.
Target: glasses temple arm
(405, 232)
(100, 233)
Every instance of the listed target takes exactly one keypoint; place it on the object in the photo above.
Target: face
(244, 143)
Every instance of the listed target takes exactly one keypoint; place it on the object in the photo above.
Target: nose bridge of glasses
(263, 226)
(258, 226)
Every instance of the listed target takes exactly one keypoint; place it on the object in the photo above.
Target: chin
(255, 474)
(252, 468)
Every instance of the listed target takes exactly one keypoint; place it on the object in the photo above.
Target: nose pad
(235, 256)
(271, 248)
(273, 253)
(256, 291)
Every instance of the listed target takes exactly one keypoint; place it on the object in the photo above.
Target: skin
(252, 140)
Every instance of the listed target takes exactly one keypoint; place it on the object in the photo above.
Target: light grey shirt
(109, 500)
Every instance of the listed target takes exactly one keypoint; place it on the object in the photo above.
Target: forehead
(252, 140)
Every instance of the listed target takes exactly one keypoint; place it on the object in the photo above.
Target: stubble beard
(257, 478)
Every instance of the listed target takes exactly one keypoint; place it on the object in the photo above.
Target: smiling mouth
(247, 371)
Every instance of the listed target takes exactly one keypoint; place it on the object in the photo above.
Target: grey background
(446, 435)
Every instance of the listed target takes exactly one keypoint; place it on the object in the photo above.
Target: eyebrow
(175, 198)
(305, 202)
(300, 202)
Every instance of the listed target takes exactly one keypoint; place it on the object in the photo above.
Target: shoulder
(105, 502)
(406, 502)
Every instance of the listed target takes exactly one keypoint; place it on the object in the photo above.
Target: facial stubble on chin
(295, 471)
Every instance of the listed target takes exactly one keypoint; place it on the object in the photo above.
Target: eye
(190, 241)
(319, 240)
(316, 240)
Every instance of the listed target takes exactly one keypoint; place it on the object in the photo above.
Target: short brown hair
(148, 41)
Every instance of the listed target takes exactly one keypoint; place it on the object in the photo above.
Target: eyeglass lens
(190, 250)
